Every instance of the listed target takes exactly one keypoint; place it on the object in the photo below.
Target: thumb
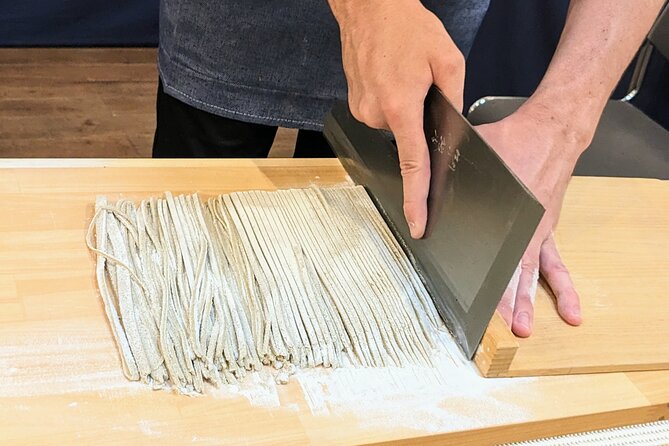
(414, 166)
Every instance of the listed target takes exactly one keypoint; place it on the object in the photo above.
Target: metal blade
(480, 216)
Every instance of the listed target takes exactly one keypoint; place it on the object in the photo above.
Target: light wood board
(60, 375)
(614, 238)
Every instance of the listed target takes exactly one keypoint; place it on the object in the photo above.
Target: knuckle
(367, 112)
(555, 265)
(529, 264)
(356, 114)
(411, 166)
(559, 267)
(523, 296)
(459, 62)
(393, 109)
(354, 107)
(453, 64)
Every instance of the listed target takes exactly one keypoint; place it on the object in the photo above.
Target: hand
(542, 154)
(393, 51)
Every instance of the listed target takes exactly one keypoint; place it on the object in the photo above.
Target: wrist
(560, 117)
(345, 11)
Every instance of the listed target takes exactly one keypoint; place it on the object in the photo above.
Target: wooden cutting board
(60, 375)
(614, 238)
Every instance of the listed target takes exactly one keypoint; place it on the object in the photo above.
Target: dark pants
(183, 131)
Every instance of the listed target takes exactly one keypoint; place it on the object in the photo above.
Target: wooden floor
(83, 102)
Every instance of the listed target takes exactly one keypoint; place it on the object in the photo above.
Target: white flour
(37, 383)
(412, 397)
(46, 363)
(258, 388)
(450, 396)
(149, 428)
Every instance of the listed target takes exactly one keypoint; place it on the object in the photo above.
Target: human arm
(542, 141)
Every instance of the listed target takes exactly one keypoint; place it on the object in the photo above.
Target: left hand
(542, 153)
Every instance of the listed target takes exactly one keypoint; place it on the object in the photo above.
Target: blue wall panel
(78, 22)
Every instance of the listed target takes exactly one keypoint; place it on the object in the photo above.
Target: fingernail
(412, 229)
(523, 319)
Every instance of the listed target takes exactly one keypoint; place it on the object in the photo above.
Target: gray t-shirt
(275, 62)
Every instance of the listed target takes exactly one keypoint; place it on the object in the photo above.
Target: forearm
(599, 40)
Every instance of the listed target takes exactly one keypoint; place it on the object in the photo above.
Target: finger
(406, 123)
(557, 276)
(523, 313)
(449, 76)
(507, 303)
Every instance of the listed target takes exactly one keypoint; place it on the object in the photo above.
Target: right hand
(393, 51)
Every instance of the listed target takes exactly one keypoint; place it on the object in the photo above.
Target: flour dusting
(149, 428)
(449, 396)
(439, 399)
(259, 388)
(81, 359)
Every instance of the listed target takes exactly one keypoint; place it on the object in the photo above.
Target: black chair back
(659, 34)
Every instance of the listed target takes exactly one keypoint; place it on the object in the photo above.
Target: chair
(627, 143)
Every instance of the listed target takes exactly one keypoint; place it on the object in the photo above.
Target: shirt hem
(276, 108)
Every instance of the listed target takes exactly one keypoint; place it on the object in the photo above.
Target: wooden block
(614, 238)
(497, 349)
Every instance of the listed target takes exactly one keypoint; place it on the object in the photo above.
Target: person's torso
(287, 45)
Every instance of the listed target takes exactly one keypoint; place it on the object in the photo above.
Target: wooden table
(60, 376)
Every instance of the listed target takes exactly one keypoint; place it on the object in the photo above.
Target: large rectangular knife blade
(480, 216)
